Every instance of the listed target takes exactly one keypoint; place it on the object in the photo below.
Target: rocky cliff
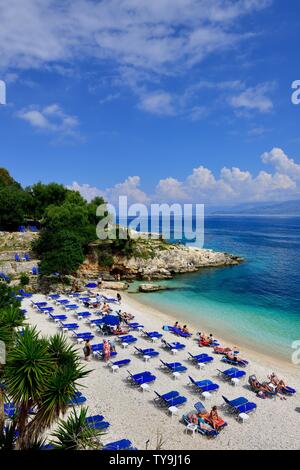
(156, 260)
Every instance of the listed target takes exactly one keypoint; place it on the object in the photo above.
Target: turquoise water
(257, 303)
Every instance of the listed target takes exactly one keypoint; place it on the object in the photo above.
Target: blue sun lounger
(135, 326)
(77, 400)
(152, 334)
(200, 358)
(54, 296)
(84, 336)
(146, 352)
(97, 422)
(288, 390)
(170, 399)
(240, 405)
(24, 294)
(232, 373)
(69, 326)
(129, 339)
(71, 307)
(142, 378)
(178, 332)
(45, 309)
(9, 409)
(121, 363)
(204, 385)
(83, 314)
(38, 304)
(63, 301)
(173, 366)
(200, 409)
(4, 276)
(122, 444)
(56, 318)
(97, 350)
(175, 345)
(241, 363)
(211, 433)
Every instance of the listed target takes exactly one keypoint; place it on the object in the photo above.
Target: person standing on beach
(119, 297)
(112, 345)
(106, 350)
(87, 350)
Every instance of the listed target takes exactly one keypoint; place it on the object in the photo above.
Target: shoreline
(110, 394)
(170, 318)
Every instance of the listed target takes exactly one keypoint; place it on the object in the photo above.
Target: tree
(63, 252)
(75, 434)
(40, 374)
(10, 319)
(7, 180)
(7, 297)
(13, 204)
(43, 195)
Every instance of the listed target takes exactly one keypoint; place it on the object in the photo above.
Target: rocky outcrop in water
(165, 261)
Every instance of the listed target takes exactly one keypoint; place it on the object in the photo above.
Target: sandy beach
(133, 415)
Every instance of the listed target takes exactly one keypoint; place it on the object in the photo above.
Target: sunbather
(214, 419)
(198, 420)
(260, 387)
(279, 383)
(176, 325)
(185, 329)
(105, 308)
(233, 357)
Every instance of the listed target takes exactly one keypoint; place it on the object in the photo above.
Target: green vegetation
(68, 222)
(40, 377)
(24, 280)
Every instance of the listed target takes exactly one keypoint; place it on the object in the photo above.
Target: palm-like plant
(75, 434)
(43, 375)
(10, 319)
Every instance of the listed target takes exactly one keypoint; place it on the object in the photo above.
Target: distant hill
(287, 208)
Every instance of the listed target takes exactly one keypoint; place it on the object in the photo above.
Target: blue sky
(168, 100)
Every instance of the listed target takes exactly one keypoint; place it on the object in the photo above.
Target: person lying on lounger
(233, 357)
(185, 329)
(105, 308)
(279, 383)
(198, 420)
(176, 325)
(260, 387)
(214, 419)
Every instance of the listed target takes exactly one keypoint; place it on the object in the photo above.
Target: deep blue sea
(256, 303)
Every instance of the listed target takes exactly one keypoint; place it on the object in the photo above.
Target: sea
(257, 303)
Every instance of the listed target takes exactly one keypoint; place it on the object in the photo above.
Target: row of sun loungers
(171, 399)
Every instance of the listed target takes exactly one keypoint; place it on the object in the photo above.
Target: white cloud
(86, 191)
(254, 99)
(50, 118)
(149, 35)
(143, 41)
(232, 186)
(160, 103)
(282, 163)
(130, 188)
